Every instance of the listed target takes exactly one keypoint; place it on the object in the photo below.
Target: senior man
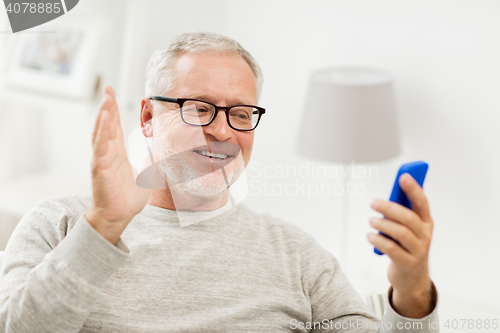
(121, 262)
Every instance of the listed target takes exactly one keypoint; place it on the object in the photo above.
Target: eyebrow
(209, 99)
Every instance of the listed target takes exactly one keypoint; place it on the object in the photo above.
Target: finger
(112, 129)
(416, 195)
(389, 247)
(119, 132)
(109, 104)
(396, 212)
(96, 127)
(105, 105)
(109, 90)
(400, 233)
(102, 138)
(97, 121)
(113, 106)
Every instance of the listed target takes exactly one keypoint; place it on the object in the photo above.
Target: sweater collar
(186, 218)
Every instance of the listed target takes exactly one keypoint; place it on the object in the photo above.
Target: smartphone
(417, 170)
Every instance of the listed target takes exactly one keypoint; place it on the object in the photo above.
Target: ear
(146, 118)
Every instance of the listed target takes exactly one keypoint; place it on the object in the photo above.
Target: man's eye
(240, 115)
(202, 110)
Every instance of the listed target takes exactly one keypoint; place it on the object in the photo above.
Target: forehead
(223, 77)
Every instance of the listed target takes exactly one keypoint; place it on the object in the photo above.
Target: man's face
(223, 80)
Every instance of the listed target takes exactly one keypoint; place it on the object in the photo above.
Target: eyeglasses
(200, 113)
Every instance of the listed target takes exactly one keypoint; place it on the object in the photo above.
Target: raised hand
(412, 229)
(117, 199)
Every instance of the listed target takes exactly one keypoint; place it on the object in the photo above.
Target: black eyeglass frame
(226, 109)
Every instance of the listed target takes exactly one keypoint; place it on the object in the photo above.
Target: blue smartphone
(417, 170)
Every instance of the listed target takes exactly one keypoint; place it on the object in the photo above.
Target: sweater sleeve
(52, 274)
(336, 304)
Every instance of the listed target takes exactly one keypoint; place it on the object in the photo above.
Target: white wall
(444, 59)
(45, 140)
(67, 123)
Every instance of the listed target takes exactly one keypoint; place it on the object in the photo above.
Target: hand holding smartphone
(417, 170)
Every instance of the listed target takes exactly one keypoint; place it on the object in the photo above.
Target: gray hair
(160, 76)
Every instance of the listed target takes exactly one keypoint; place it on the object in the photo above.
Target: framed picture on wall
(56, 60)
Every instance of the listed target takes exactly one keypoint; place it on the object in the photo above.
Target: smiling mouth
(215, 156)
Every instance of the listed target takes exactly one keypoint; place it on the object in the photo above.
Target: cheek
(171, 130)
(245, 140)
(163, 129)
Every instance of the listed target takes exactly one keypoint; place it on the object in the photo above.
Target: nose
(219, 128)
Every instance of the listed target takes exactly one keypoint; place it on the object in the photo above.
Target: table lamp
(349, 117)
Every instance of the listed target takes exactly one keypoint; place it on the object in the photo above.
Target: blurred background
(443, 57)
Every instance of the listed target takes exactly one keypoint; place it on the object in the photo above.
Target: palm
(116, 195)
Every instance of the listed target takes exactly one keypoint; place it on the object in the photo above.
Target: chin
(209, 186)
(186, 180)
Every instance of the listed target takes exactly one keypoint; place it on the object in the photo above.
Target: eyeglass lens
(200, 113)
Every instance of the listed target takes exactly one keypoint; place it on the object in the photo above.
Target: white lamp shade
(349, 117)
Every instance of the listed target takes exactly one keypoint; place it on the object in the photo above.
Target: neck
(165, 199)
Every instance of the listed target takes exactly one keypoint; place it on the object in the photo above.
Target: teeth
(210, 154)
